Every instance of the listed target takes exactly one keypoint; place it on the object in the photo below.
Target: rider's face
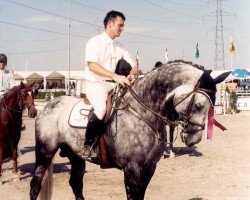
(116, 26)
(2, 65)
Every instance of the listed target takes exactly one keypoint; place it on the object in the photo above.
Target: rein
(164, 119)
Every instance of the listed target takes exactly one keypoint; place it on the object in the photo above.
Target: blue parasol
(241, 73)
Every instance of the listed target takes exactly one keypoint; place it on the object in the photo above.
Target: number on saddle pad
(79, 115)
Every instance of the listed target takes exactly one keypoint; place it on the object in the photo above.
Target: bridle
(184, 120)
(22, 101)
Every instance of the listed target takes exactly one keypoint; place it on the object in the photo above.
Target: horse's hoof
(80, 198)
(16, 179)
(171, 154)
(23, 127)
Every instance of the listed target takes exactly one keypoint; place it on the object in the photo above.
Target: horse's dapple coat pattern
(132, 141)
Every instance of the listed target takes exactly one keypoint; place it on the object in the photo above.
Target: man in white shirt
(7, 80)
(101, 57)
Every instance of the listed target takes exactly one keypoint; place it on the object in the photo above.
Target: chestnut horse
(12, 105)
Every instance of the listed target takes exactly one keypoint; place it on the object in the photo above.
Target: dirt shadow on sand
(28, 149)
(26, 170)
(179, 151)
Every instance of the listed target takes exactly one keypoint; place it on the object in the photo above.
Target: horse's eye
(198, 106)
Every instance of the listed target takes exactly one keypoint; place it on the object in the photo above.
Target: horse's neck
(148, 95)
(150, 92)
(10, 100)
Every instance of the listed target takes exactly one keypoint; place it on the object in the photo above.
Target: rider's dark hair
(3, 58)
(111, 15)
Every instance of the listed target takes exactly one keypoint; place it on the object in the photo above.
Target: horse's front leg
(136, 180)
(15, 169)
(1, 155)
(15, 153)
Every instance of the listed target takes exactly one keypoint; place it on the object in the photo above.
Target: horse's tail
(47, 184)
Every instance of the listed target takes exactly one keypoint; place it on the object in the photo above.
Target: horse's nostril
(191, 144)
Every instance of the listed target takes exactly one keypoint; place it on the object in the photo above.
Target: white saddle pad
(78, 117)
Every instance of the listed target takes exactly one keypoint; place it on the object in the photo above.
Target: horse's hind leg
(136, 180)
(171, 136)
(43, 161)
(1, 155)
(171, 140)
(77, 173)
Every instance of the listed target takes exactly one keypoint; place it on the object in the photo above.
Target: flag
(166, 55)
(197, 53)
(26, 66)
(13, 68)
(137, 59)
(232, 47)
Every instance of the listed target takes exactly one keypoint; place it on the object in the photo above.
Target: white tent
(55, 75)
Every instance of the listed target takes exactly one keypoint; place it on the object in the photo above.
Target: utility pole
(99, 30)
(219, 39)
(69, 26)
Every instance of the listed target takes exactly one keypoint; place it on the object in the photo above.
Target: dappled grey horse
(136, 139)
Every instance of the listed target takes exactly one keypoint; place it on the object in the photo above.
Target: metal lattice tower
(219, 39)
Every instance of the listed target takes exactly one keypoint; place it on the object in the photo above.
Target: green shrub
(233, 101)
(41, 95)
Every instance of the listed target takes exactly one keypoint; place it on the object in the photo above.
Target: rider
(101, 56)
(7, 80)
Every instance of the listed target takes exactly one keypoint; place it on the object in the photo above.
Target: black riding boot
(94, 127)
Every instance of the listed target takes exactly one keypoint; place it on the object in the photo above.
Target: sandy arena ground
(214, 170)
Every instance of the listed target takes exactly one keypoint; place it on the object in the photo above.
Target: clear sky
(36, 31)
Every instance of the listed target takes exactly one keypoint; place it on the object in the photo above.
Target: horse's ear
(221, 77)
(208, 71)
(21, 85)
(32, 84)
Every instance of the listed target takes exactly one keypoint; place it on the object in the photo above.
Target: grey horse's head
(191, 101)
(181, 92)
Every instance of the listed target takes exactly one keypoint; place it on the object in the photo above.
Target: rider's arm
(101, 71)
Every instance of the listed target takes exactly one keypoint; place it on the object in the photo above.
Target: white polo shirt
(106, 52)
(7, 81)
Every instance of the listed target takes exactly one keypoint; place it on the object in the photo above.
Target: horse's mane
(200, 67)
(10, 92)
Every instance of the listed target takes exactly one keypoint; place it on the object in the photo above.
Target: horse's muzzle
(32, 112)
(191, 139)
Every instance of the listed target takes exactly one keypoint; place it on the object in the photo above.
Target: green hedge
(41, 95)
(233, 101)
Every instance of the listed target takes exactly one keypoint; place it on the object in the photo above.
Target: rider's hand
(134, 71)
(131, 78)
(121, 79)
